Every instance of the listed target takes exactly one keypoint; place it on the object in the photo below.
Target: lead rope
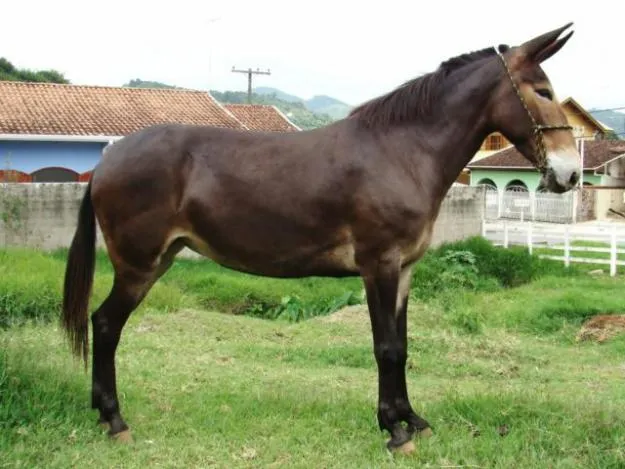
(541, 164)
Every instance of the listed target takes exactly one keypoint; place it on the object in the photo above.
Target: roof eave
(285, 117)
(588, 115)
(503, 168)
(60, 138)
(607, 162)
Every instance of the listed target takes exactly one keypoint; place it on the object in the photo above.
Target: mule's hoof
(406, 448)
(123, 436)
(425, 433)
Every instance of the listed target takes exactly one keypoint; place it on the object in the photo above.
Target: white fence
(610, 236)
(517, 203)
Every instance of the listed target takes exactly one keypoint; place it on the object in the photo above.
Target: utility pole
(251, 72)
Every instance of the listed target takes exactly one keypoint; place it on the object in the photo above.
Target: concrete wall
(460, 215)
(606, 199)
(44, 215)
(39, 215)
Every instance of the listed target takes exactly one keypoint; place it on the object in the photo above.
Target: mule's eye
(545, 93)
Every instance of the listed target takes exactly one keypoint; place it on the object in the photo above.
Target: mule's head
(525, 110)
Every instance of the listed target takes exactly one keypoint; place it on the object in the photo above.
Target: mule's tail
(79, 279)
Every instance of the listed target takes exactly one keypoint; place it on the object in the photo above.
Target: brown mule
(358, 197)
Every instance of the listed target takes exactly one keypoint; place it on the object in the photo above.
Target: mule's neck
(459, 123)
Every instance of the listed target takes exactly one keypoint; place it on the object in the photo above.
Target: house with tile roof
(604, 165)
(508, 175)
(512, 181)
(57, 132)
(585, 127)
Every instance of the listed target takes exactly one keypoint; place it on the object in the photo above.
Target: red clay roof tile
(596, 153)
(58, 109)
(261, 117)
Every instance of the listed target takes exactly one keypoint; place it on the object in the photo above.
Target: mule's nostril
(574, 178)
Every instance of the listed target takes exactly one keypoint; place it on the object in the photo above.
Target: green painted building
(528, 178)
(604, 165)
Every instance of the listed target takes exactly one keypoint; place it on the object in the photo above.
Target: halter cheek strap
(537, 129)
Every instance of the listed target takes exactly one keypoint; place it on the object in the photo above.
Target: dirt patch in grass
(602, 327)
(347, 315)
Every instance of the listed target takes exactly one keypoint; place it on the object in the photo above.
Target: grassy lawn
(496, 371)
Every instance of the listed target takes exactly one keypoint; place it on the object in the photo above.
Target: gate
(491, 202)
(516, 203)
(554, 208)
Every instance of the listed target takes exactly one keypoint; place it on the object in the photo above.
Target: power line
(621, 108)
(249, 73)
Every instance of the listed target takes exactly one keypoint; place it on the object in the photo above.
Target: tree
(8, 72)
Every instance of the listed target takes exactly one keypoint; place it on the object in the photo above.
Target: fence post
(567, 247)
(613, 252)
(529, 237)
(505, 234)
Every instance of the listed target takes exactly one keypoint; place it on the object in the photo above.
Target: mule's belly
(276, 261)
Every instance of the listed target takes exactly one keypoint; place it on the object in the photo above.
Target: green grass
(493, 346)
(31, 288)
(204, 389)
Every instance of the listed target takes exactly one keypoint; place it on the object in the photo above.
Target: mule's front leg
(387, 290)
(416, 424)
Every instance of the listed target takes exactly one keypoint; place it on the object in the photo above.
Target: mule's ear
(552, 48)
(544, 46)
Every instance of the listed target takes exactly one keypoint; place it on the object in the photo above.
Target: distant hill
(296, 111)
(267, 90)
(292, 106)
(320, 104)
(138, 83)
(613, 119)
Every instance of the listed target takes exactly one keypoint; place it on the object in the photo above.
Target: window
(494, 142)
(579, 131)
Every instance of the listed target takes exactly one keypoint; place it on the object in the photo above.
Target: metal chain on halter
(537, 128)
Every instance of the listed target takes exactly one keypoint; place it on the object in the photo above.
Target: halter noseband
(537, 128)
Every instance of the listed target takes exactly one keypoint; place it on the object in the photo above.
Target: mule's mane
(416, 97)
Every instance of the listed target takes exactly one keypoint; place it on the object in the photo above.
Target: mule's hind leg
(108, 321)
(129, 288)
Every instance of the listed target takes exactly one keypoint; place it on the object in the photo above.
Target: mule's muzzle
(563, 172)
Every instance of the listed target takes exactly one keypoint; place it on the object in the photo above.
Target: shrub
(475, 264)
(293, 308)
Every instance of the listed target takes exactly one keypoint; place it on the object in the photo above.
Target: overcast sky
(351, 52)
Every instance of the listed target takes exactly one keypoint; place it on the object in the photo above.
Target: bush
(293, 309)
(475, 264)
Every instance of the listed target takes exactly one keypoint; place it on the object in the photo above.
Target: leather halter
(537, 128)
